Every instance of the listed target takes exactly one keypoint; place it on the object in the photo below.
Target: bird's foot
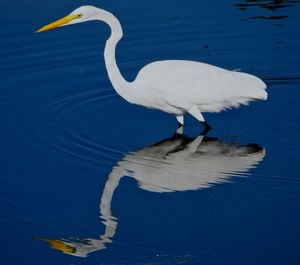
(207, 128)
(178, 132)
(179, 125)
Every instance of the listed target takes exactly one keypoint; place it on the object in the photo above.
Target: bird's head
(81, 14)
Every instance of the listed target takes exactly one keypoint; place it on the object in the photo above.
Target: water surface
(87, 178)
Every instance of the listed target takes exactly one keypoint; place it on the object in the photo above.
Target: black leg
(207, 128)
(179, 125)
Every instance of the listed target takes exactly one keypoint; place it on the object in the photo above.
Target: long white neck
(119, 83)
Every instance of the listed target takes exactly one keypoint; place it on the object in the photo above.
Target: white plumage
(177, 87)
(207, 87)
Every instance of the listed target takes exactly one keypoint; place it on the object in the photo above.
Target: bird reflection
(175, 164)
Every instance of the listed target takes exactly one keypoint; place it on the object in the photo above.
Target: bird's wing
(188, 83)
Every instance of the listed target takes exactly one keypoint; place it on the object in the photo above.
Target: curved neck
(118, 81)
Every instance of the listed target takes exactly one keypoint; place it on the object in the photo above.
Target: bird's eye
(79, 15)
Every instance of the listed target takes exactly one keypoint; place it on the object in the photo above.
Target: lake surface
(87, 178)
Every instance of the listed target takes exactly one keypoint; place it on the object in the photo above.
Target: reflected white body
(172, 165)
(179, 165)
(177, 87)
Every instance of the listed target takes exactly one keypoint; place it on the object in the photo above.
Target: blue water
(83, 173)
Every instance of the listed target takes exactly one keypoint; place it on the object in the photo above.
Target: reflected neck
(109, 221)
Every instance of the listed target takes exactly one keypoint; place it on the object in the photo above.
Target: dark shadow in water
(175, 164)
(269, 17)
(270, 5)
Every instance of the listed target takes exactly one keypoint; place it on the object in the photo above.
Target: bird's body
(198, 85)
(177, 87)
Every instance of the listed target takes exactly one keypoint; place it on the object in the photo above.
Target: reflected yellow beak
(59, 245)
(59, 23)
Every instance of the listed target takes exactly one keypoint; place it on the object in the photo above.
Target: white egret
(177, 87)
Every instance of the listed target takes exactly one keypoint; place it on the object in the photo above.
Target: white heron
(177, 87)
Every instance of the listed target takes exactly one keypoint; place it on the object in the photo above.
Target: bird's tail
(257, 91)
(261, 94)
(254, 89)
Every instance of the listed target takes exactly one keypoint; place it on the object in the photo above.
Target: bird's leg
(207, 128)
(206, 125)
(194, 111)
(180, 120)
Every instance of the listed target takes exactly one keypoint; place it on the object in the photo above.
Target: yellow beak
(59, 23)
